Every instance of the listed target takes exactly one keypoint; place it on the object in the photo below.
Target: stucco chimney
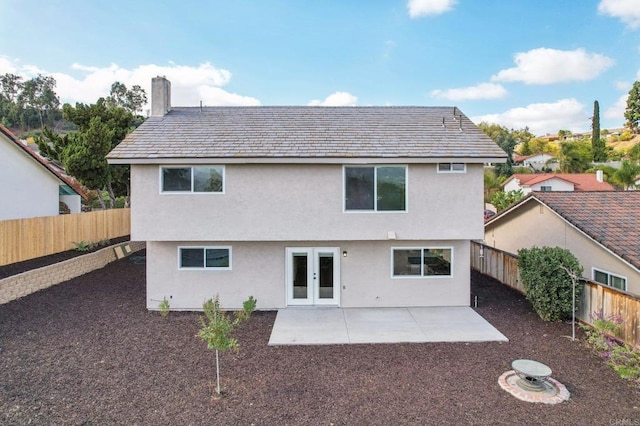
(160, 96)
(599, 176)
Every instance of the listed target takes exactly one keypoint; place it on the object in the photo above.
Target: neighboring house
(537, 162)
(557, 182)
(30, 186)
(602, 229)
(338, 206)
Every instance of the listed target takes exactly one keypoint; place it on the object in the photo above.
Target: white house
(337, 206)
(536, 161)
(528, 183)
(30, 187)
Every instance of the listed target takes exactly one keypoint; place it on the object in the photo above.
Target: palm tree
(627, 174)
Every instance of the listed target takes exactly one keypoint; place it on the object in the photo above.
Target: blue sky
(517, 63)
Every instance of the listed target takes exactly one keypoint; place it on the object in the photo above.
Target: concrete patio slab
(305, 326)
(326, 326)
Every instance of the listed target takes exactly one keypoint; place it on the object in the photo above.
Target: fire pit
(531, 381)
(533, 374)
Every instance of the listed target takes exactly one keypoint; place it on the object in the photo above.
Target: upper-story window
(452, 168)
(200, 179)
(546, 188)
(375, 188)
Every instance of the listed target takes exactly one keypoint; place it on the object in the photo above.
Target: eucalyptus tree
(38, 95)
(131, 100)
(632, 112)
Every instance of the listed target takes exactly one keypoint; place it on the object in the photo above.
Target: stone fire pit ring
(531, 381)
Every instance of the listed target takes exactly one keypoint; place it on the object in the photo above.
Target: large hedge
(547, 284)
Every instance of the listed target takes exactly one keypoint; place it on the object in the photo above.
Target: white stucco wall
(298, 202)
(73, 202)
(533, 224)
(555, 184)
(27, 189)
(512, 185)
(538, 161)
(259, 270)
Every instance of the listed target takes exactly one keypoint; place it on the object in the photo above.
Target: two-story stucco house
(332, 206)
(30, 187)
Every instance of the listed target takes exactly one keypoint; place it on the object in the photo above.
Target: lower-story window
(422, 262)
(204, 257)
(607, 278)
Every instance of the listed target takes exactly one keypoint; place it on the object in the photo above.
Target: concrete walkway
(328, 326)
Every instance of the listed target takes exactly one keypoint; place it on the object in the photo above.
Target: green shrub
(547, 283)
(623, 358)
(82, 245)
(164, 307)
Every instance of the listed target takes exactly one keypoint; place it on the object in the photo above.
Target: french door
(313, 276)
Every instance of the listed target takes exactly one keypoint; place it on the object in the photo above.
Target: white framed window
(609, 279)
(452, 168)
(192, 179)
(546, 188)
(190, 257)
(411, 262)
(375, 188)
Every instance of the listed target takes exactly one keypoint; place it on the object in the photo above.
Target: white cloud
(481, 91)
(189, 84)
(627, 10)
(7, 66)
(623, 85)
(548, 66)
(215, 96)
(420, 8)
(543, 118)
(336, 99)
(616, 111)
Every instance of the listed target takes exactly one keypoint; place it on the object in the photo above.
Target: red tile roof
(581, 181)
(71, 183)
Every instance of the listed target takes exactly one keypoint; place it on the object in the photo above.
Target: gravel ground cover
(87, 352)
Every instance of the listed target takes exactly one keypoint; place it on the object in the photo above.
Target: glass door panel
(313, 276)
(325, 276)
(300, 276)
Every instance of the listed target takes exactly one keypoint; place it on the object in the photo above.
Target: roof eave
(304, 160)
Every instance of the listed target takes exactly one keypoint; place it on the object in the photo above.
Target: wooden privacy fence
(24, 239)
(496, 263)
(596, 298)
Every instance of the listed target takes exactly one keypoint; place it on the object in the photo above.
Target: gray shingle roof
(307, 132)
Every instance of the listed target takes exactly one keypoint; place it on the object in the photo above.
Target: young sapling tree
(217, 327)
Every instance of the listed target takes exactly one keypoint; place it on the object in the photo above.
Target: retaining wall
(20, 285)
